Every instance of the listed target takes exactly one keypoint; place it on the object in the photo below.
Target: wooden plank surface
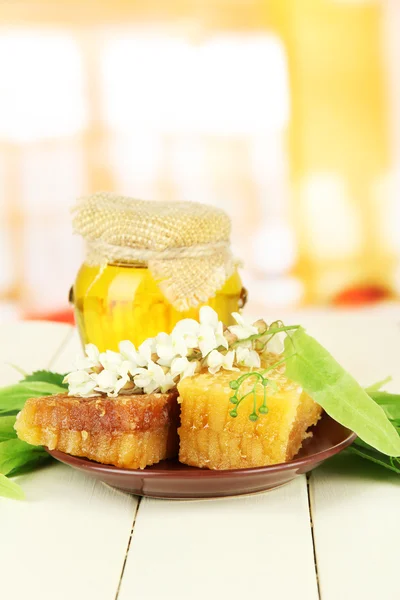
(356, 530)
(29, 345)
(354, 503)
(255, 546)
(63, 361)
(68, 539)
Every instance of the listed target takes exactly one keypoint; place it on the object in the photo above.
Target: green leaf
(47, 377)
(16, 453)
(13, 397)
(10, 489)
(310, 364)
(17, 456)
(389, 402)
(36, 462)
(376, 387)
(7, 431)
(367, 452)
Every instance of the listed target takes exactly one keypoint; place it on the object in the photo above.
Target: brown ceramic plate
(170, 479)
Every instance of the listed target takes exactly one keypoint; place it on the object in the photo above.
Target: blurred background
(285, 113)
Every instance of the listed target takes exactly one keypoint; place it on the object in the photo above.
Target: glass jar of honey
(120, 301)
(149, 265)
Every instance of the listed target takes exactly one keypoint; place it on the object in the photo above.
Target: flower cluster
(161, 362)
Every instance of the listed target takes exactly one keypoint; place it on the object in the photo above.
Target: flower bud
(259, 345)
(230, 337)
(129, 385)
(276, 325)
(260, 325)
(130, 388)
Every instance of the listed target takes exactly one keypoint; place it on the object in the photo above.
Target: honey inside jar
(123, 301)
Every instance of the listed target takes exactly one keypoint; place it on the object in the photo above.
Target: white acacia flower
(188, 330)
(152, 378)
(216, 360)
(127, 368)
(167, 384)
(247, 358)
(207, 339)
(106, 381)
(80, 383)
(130, 358)
(183, 367)
(170, 346)
(206, 334)
(93, 353)
(208, 316)
(219, 336)
(111, 361)
(90, 360)
(120, 383)
(122, 377)
(275, 343)
(160, 362)
(130, 354)
(242, 330)
(145, 350)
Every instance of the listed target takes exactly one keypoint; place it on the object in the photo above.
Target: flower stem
(271, 332)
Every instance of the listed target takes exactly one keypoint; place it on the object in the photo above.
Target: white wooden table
(335, 536)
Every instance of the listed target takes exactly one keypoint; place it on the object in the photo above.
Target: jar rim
(136, 264)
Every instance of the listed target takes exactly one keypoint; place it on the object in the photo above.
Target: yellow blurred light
(333, 225)
(386, 212)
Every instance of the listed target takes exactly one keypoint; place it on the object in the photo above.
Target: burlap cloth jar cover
(185, 245)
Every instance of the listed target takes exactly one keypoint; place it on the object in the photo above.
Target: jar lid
(185, 244)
